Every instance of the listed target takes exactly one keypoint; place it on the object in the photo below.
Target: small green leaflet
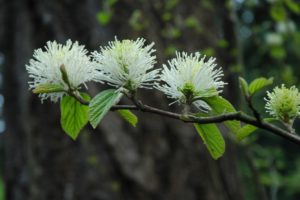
(128, 116)
(74, 115)
(278, 12)
(244, 86)
(48, 88)
(212, 138)
(293, 6)
(259, 84)
(101, 104)
(248, 129)
(220, 105)
(245, 131)
(104, 17)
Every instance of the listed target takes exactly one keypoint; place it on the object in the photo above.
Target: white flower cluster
(126, 64)
(190, 78)
(45, 67)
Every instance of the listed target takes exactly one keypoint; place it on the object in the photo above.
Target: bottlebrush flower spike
(46, 65)
(127, 63)
(188, 78)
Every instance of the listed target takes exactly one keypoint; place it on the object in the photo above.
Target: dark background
(160, 158)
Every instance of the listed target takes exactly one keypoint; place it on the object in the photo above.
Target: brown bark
(160, 159)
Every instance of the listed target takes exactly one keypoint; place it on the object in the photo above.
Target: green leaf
(112, 2)
(212, 138)
(248, 129)
(220, 105)
(2, 189)
(223, 44)
(104, 17)
(278, 52)
(278, 12)
(209, 51)
(48, 88)
(244, 86)
(137, 20)
(101, 104)
(128, 116)
(245, 131)
(259, 84)
(74, 115)
(293, 6)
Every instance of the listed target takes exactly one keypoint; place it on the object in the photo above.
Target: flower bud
(283, 103)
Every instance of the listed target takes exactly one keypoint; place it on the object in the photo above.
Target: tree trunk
(160, 159)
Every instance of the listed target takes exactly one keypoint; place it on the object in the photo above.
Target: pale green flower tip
(283, 103)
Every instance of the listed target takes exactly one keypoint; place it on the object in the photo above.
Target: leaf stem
(77, 96)
(252, 108)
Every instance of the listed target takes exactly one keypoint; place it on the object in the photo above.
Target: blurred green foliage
(104, 16)
(271, 48)
(2, 189)
(269, 36)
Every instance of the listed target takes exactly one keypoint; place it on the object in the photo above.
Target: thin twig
(240, 116)
(254, 111)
